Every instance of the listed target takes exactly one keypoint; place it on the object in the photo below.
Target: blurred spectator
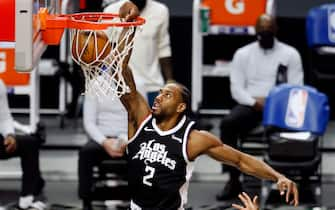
(105, 122)
(151, 57)
(256, 69)
(27, 148)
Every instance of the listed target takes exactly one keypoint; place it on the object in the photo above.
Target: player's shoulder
(202, 135)
(200, 141)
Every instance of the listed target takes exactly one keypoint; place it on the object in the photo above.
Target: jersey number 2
(151, 172)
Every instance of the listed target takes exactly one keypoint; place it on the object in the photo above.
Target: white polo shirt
(152, 42)
(104, 117)
(254, 70)
(6, 120)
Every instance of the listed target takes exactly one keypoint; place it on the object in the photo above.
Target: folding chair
(295, 118)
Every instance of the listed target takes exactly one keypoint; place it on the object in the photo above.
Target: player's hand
(288, 188)
(114, 147)
(10, 144)
(247, 202)
(129, 11)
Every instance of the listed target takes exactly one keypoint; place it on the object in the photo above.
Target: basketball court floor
(59, 167)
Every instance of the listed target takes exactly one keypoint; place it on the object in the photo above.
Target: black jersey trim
(172, 130)
(185, 141)
(140, 128)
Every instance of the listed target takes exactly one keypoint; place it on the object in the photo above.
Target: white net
(101, 53)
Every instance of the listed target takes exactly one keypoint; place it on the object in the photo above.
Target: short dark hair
(186, 97)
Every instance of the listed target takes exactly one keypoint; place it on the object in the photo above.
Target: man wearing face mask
(256, 69)
(151, 56)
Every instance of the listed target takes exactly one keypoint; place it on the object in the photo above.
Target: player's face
(167, 102)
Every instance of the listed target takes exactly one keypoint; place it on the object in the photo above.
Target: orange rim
(52, 26)
(88, 19)
(84, 21)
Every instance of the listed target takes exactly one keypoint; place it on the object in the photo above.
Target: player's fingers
(243, 199)
(288, 193)
(247, 198)
(237, 206)
(282, 188)
(295, 195)
(255, 200)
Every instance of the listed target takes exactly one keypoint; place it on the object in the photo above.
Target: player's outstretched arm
(202, 142)
(135, 104)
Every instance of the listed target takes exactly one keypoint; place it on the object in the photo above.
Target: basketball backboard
(29, 46)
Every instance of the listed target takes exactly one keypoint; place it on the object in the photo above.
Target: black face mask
(266, 39)
(140, 4)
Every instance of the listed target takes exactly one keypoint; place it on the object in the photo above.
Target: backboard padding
(29, 46)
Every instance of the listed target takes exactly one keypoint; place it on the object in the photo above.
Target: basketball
(89, 47)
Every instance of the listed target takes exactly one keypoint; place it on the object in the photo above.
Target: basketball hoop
(99, 44)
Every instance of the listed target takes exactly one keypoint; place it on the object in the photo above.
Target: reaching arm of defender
(202, 142)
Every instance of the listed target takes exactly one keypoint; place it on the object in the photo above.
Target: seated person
(105, 122)
(256, 69)
(27, 148)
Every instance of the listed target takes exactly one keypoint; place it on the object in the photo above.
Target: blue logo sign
(296, 108)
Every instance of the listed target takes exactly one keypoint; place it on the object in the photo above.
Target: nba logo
(296, 108)
(331, 24)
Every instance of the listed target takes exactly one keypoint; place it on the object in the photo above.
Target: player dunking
(163, 145)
